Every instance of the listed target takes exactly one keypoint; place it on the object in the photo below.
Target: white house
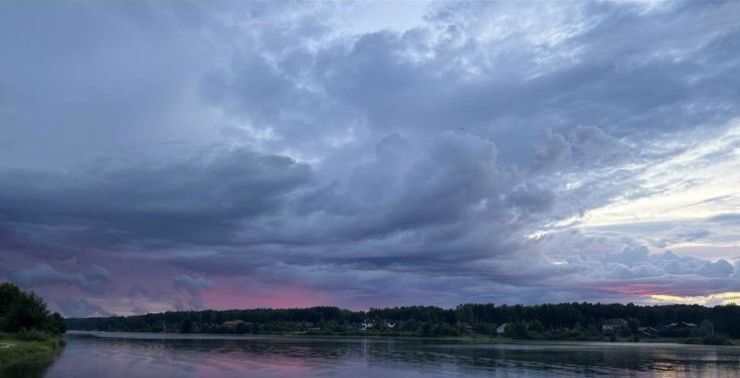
(366, 324)
(611, 326)
(501, 329)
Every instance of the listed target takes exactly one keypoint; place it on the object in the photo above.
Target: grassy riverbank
(14, 350)
(29, 333)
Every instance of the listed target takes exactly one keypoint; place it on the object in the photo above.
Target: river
(128, 355)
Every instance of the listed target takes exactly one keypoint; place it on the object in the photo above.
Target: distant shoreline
(688, 324)
(667, 342)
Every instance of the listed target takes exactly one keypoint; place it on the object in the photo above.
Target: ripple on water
(213, 357)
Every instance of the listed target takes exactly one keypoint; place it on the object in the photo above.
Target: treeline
(227, 321)
(25, 314)
(551, 321)
(726, 318)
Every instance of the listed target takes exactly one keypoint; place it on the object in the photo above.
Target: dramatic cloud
(81, 308)
(191, 284)
(94, 279)
(200, 200)
(173, 155)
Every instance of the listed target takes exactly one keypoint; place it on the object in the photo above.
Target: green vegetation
(566, 321)
(28, 331)
(16, 350)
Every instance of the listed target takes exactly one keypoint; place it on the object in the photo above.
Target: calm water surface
(156, 355)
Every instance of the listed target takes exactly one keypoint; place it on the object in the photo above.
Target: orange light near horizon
(710, 300)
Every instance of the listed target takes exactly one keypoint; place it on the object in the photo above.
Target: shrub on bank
(33, 335)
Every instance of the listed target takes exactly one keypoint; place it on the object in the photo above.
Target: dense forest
(26, 314)
(567, 321)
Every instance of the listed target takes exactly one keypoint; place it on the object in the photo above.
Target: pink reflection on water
(238, 364)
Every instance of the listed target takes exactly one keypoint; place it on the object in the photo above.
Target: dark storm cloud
(200, 200)
(267, 142)
(437, 197)
(93, 279)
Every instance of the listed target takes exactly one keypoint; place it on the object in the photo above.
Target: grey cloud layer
(191, 284)
(196, 201)
(94, 279)
(247, 140)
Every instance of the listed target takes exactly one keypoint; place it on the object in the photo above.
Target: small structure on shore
(501, 329)
(613, 326)
(679, 329)
(231, 324)
(366, 324)
(647, 331)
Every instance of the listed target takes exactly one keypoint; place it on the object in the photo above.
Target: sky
(176, 155)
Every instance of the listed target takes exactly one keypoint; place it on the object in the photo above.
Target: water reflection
(352, 357)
